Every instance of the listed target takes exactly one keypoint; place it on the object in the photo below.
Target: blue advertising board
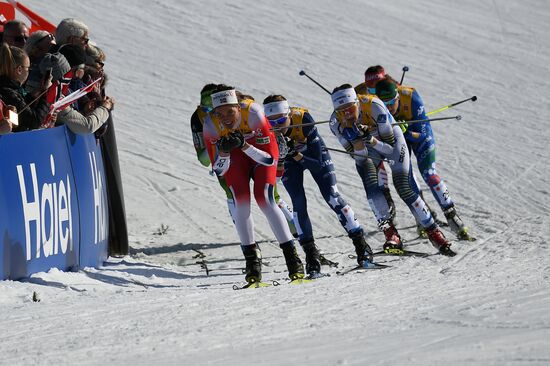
(53, 208)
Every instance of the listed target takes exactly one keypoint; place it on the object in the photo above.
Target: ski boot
(421, 231)
(393, 244)
(253, 256)
(456, 224)
(293, 262)
(439, 241)
(362, 249)
(313, 258)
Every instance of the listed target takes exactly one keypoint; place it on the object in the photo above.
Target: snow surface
(489, 305)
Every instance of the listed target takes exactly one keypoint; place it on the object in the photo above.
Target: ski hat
(386, 90)
(74, 54)
(34, 39)
(274, 108)
(224, 97)
(372, 77)
(206, 93)
(343, 96)
(57, 63)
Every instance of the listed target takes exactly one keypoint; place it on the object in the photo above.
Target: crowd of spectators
(38, 69)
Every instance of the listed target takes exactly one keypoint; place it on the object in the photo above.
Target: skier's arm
(198, 140)
(220, 162)
(314, 150)
(263, 149)
(419, 113)
(384, 119)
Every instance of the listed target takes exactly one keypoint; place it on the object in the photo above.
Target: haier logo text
(46, 211)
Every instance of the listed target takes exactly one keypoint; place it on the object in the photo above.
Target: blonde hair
(10, 58)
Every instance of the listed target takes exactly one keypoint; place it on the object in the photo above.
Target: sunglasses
(346, 112)
(47, 36)
(20, 38)
(278, 121)
(206, 109)
(391, 101)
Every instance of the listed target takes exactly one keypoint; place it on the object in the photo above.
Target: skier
(302, 148)
(242, 147)
(405, 104)
(364, 123)
(197, 121)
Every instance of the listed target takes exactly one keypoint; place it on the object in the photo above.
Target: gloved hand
(403, 126)
(366, 136)
(351, 133)
(232, 141)
(291, 145)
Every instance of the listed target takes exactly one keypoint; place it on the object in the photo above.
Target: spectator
(16, 33)
(76, 121)
(72, 31)
(76, 58)
(38, 45)
(95, 59)
(14, 70)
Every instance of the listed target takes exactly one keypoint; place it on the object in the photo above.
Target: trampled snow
(489, 305)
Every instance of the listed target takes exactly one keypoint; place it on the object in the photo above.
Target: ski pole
(300, 125)
(458, 118)
(303, 73)
(405, 69)
(391, 162)
(473, 99)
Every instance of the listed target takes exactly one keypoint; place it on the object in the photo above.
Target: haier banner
(53, 210)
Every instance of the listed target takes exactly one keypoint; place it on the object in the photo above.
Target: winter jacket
(80, 124)
(13, 94)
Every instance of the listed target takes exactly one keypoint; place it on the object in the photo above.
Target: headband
(224, 97)
(344, 96)
(274, 108)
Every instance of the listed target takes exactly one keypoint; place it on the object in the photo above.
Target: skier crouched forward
(243, 147)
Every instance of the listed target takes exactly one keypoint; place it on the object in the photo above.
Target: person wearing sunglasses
(304, 149)
(242, 147)
(72, 31)
(405, 104)
(362, 124)
(16, 33)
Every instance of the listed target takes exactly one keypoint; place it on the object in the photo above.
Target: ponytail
(10, 58)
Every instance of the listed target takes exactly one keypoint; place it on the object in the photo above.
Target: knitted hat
(74, 54)
(70, 27)
(386, 90)
(374, 75)
(34, 39)
(57, 63)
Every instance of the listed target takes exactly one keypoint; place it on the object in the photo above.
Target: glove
(291, 148)
(351, 133)
(365, 134)
(235, 140)
(403, 126)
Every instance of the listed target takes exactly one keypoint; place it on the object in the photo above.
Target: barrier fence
(54, 209)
